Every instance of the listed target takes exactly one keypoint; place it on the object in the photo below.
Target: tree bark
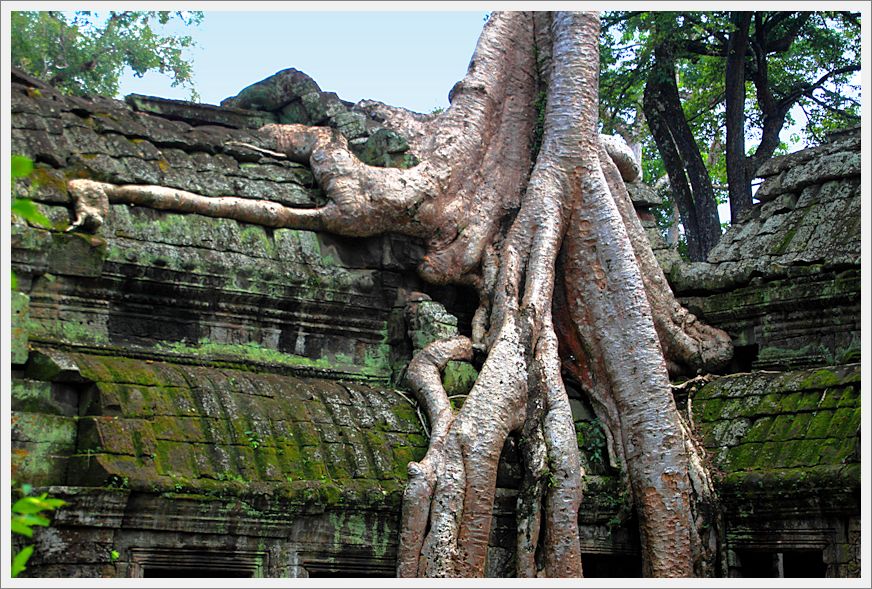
(737, 172)
(688, 177)
(566, 283)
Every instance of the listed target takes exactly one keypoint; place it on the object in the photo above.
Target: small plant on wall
(27, 512)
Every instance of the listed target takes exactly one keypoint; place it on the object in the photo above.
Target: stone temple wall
(785, 280)
(214, 397)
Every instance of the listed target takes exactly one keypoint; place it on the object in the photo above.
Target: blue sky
(408, 59)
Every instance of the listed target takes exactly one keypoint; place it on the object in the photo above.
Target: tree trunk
(688, 177)
(737, 174)
(507, 221)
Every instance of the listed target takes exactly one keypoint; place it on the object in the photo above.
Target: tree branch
(783, 43)
(832, 108)
(806, 90)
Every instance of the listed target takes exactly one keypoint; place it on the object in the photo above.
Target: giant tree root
(567, 285)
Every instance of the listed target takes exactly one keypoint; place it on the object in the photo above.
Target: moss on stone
(831, 397)
(759, 430)
(820, 379)
(850, 397)
(20, 327)
(116, 370)
(403, 455)
(742, 457)
(785, 242)
(374, 364)
(770, 404)
(458, 377)
(312, 461)
(33, 395)
(800, 453)
(846, 422)
(39, 463)
(819, 426)
(43, 428)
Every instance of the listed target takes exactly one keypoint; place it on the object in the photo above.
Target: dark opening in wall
(793, 564)
(189, 562)
(187, 573)
(351, 562)
(611, 565)
(804, 563)
(744, 358)
(349, 574)
(759, 564)
(351, 567)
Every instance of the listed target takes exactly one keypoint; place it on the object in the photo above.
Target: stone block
(39, 463)
(19, 328)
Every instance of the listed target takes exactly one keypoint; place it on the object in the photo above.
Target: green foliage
(810, 59)
(85, 52)
(24, 208)
(22, 167)
(19, 561)
(592, 439)
(28, 512)
(253, 439)
(118, 482)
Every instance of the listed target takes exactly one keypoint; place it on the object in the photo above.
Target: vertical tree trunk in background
(688, 177)
(566, 280)
(737, 172)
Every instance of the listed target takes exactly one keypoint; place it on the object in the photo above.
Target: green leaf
(21, 166)
(24, 208)
(27, 505)
(20, 560)
(18, 527)
(31, 519)
(54, 503)
(27, 488)
(14, 281)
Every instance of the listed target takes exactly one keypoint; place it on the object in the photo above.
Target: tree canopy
(741, 78)
(86, 52)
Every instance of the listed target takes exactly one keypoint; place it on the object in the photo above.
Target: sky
(408, 59)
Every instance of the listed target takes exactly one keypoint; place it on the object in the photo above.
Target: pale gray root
(590, 373)
(487, 176)
(439, 552)
(493, 409)
(462, 506)
(709, 546)
(481, 319)
(598, 247)
(562, 551)
(423, 377)
(534, 456)
(685, 340)
(91, 204)
(604, 285)
(414, 127)
(364, 200)
(529, 258)
(622, 156)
